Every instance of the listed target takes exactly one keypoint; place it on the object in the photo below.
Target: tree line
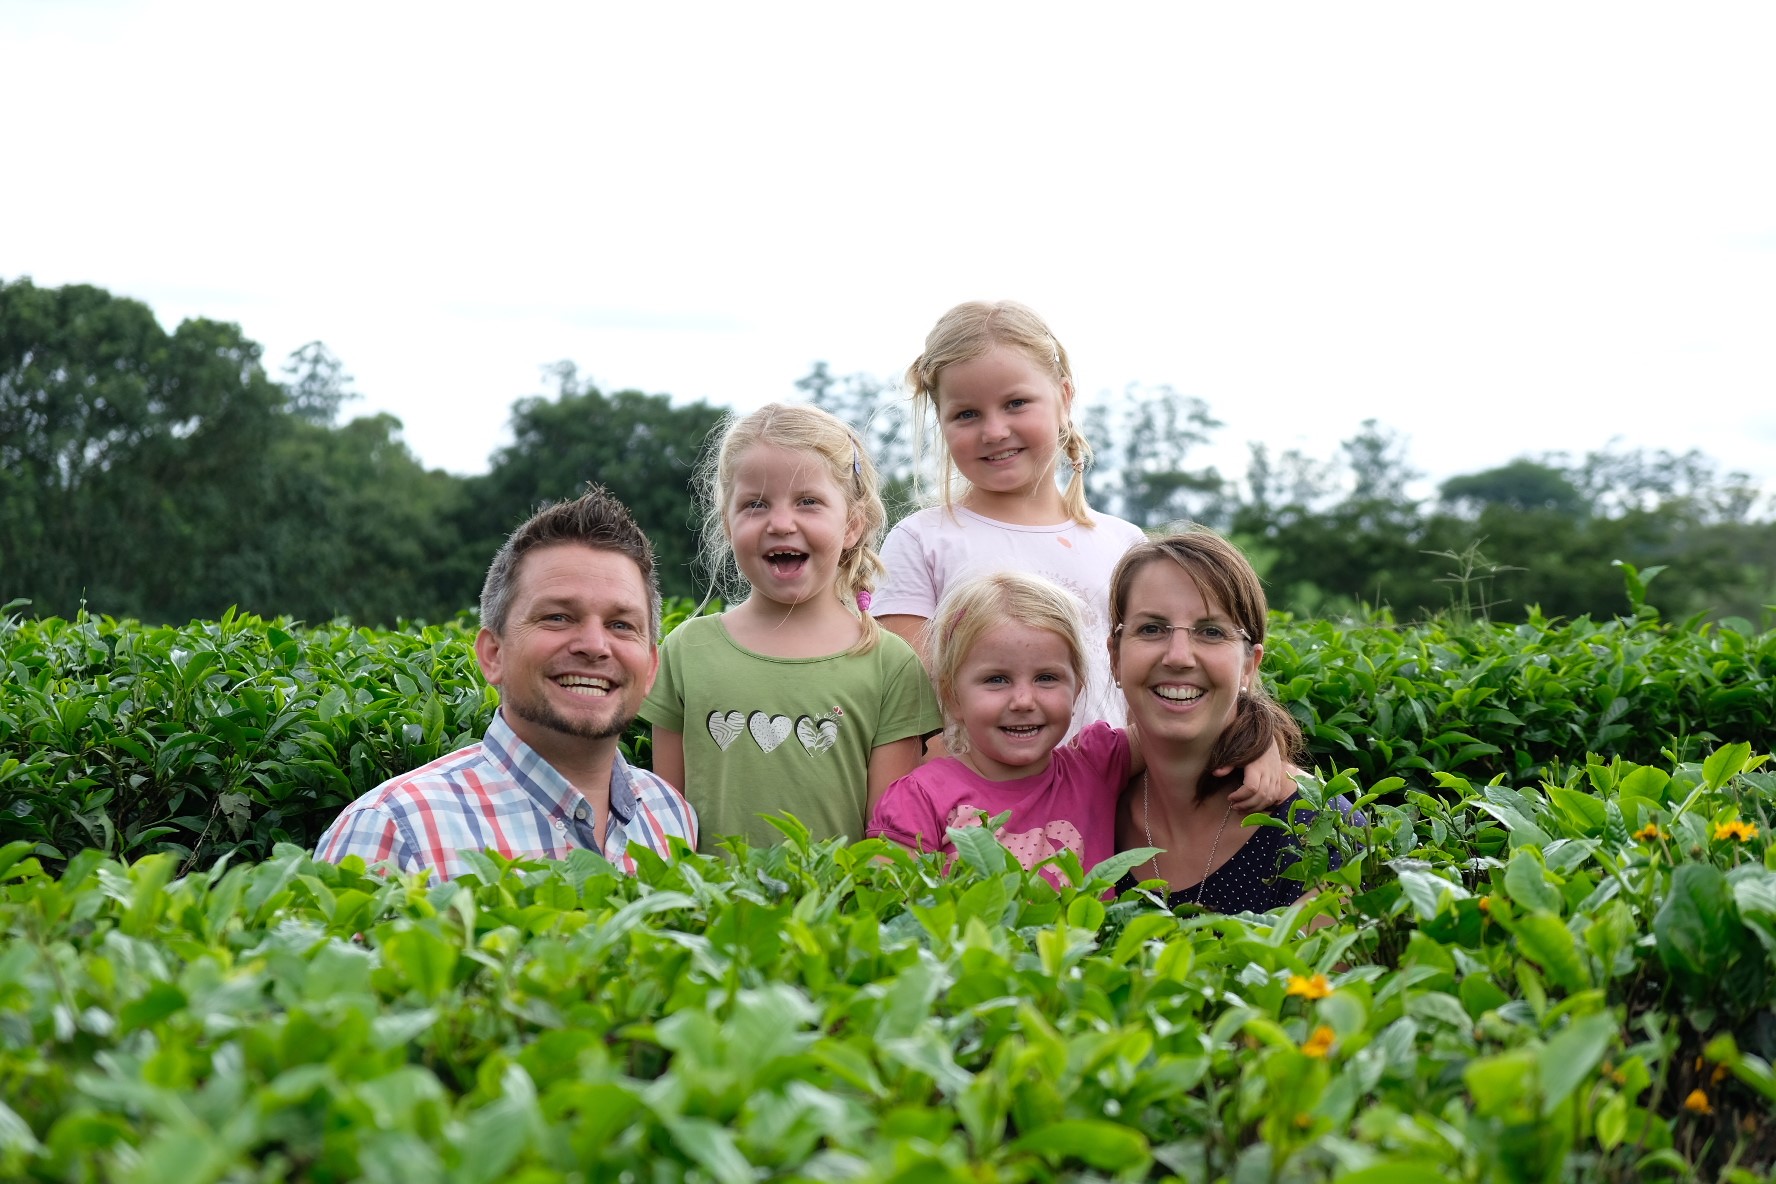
(167, 475)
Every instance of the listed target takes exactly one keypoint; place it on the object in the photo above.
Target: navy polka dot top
(1250, 882)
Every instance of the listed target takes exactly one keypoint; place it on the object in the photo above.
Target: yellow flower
(1719, 1075)
(1697, 1103)
(1742, 832)
(1309, 988)
(1651, 832)
(1320, 1042)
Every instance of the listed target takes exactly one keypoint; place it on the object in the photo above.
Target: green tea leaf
(980, 851)
(1571, 1056)
(425, 960)
(1693, 928)
(1104, 1145)
(1546, 941)
(711, 1147)
(1725, 764)
(1528, 885)
(15, 1134)
(1499, 1083)
(1113, 869)
(1415, 1171)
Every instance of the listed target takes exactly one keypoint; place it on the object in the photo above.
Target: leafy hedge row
(1521, 701)
(1589, 1001)
(235, 735)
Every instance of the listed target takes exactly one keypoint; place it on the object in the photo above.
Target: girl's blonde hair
(975, 328)
(842, 458)
(974, 606)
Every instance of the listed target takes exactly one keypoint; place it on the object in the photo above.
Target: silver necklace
(1147, 825)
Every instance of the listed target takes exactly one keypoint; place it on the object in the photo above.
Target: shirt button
(580, 811)
(560, 825)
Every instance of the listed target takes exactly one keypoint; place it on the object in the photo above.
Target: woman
(1187, 619)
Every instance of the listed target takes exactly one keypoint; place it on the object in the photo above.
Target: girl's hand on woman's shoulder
(1268, 783)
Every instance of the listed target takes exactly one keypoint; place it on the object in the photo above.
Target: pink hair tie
(863, 600)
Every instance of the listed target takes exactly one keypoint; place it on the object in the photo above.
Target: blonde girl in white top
(999, 387)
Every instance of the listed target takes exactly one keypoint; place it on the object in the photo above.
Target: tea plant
(1589, 1001)
(227, 737)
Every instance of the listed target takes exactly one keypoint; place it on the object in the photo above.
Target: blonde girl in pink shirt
(1008, 654)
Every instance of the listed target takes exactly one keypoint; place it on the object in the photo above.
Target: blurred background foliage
(167, 476)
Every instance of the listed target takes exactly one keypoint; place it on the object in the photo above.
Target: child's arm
(888, 763)
(906, 814)
(669, 757)
(1267, 783)
(911, 631)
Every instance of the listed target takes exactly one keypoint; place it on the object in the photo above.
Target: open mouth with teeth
(785, 562)
(582, 684)
(1179, 694)
(998, 457)
(1022, 731)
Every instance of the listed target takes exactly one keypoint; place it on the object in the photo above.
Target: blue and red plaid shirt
(499, 795)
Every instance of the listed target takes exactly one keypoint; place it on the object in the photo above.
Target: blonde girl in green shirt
(794, 700)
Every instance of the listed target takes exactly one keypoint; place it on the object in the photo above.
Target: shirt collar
(553, 793)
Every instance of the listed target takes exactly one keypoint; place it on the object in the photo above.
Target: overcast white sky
(1497, 229)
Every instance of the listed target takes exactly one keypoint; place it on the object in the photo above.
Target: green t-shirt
(766, 735)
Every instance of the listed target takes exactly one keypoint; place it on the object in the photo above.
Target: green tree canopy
(128, 452)
(1521, 485)
(641, 447)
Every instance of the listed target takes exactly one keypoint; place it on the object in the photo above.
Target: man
(570, 629)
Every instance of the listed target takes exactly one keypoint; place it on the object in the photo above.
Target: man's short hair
(595, 519)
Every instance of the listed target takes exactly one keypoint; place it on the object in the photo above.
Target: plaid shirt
(499, 795)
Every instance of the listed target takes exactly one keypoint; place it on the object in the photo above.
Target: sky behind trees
(1498, 231)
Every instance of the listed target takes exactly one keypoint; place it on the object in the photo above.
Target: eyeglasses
(1156, 634)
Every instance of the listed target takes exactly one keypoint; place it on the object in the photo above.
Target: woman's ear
(1252, 660)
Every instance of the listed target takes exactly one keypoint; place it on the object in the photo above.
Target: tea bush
(230, 736)
(1570, 981)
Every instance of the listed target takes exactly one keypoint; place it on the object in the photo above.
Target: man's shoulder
(444, 774)
(669, 807)
(647, 781)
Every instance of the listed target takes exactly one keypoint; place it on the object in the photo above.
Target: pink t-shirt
(1071, 804)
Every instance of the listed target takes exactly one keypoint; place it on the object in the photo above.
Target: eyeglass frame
(1190, 631)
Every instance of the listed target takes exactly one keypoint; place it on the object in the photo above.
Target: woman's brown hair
(1225, 578)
